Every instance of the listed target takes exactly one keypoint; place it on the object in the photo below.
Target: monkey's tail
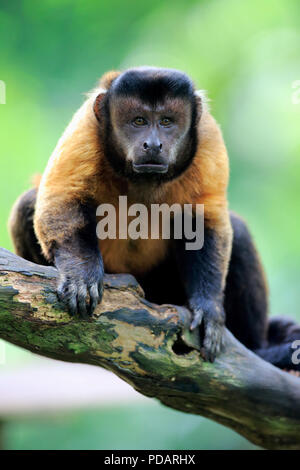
(281, 349)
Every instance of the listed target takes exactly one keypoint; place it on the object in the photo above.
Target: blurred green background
(247, 56)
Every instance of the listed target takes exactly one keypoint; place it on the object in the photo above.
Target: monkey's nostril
(152, 148)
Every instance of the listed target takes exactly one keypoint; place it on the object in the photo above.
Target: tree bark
(151, 348)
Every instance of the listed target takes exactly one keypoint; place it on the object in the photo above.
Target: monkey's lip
(150, 168)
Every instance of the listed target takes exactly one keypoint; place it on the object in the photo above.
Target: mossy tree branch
(151, 348)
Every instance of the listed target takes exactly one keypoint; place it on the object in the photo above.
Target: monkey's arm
(204, 271)
(203, 274)
(65, 213)
(70, 242)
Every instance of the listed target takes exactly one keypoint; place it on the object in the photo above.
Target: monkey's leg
(246, 296)
(246, 305)
(21, 228)
(283, 344)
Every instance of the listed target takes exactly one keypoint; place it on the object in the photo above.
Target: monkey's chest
(136, 257)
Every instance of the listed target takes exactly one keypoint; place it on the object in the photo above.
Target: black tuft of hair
(153, 85)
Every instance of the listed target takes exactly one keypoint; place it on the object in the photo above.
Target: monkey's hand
(209, 316)
(80, 283)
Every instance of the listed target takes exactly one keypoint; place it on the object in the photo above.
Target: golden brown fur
(79, 171)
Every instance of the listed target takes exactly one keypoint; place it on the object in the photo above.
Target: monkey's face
(150, 142)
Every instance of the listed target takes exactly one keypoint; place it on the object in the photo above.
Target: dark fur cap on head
(153, 84)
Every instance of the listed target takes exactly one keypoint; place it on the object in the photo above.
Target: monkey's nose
(152, 149)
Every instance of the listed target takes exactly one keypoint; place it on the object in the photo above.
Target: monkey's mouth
(150, 168)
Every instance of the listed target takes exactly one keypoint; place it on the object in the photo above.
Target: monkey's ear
(98, 104)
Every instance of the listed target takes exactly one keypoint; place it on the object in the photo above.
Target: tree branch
(151, 348)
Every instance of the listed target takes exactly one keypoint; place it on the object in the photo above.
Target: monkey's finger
(100, 290)
(212, 344)
(61, 288)
(81, 300)
(65, 293)
(197, 318)
(70, 299)
(203, 354)
(94, 298)
(59, 293)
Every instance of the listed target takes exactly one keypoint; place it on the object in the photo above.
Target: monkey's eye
(139, 121)
(165, 121)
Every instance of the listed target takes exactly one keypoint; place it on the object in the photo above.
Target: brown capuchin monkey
(148, 134)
